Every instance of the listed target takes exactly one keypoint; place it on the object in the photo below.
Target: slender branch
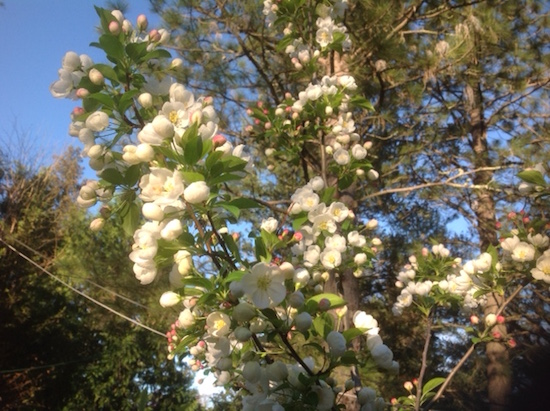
(294, 354)
(448, 181)
(424, 361)
(470, 351)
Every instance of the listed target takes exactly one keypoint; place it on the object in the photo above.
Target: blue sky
(36, 35)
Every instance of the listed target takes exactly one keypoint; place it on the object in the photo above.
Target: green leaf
(112, 46)
(532, 177)
(335, 300)
(232, 245)
(261, 251)
(322, 324)
(432, 384)
(107, 72)
(245, 203)
(198, 282)
(192, 152)
(212, 161)
(299, 221)
(130, 219)
(352, 333)
(236, 211)
(191, 176)
(361, 102)
(104, 99)
(127, 100)
(349, 358)
(157, 54)
(234, 276)
(132, 175)
(224, 178)
(136, 51)
(113, 176)
(346, 180)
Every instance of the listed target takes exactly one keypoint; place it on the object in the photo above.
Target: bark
(498, 367)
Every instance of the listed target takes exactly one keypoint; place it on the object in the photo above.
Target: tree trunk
(498, 368)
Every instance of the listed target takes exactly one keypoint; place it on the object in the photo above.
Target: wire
(80, 292)
(82, 277)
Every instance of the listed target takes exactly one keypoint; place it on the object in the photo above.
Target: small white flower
(218, 323)
(341, 156)
(363, 320)
(264, 285)
(358, 152)
(523, 252)
(270, 225)
(542, 270)
(331, 258)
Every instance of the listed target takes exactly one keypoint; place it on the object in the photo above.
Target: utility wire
(81, 277)
(80, 292)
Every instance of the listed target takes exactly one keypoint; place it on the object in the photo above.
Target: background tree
(60, 351)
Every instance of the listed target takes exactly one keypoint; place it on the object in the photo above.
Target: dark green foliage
(58, 350)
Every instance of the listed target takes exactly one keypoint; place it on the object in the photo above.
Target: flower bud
(145, 100)
(373, 175)
(95, 76)
(196, 192)
(296, 299)
(97, 121)
(365, 395)
(490, 320)
(277, 371)
(82, 93)
(242, 334)
(114, 28)
(303, 321)
(97, 224)
(154, 36)
(252, 371)
(142, 22)
(258, 325)
(176, 64)
(244, 312)
(336, 343)
(169, 299)
(324, 304)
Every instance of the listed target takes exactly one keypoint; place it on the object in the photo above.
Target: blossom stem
(294, 354)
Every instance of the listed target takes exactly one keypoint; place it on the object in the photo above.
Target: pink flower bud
(511, 215)
(512, 343)
(154, 35)
(114, 28)
(474, 319)
(500, 319)
(496, 335)
(298, 236)
(77, 111)
(408, 385)
(82, 93)
(525, 220)
(142, 22)
(218, 140)
(324, 304)
(498, 225)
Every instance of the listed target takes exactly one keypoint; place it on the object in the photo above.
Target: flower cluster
(435, 277)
